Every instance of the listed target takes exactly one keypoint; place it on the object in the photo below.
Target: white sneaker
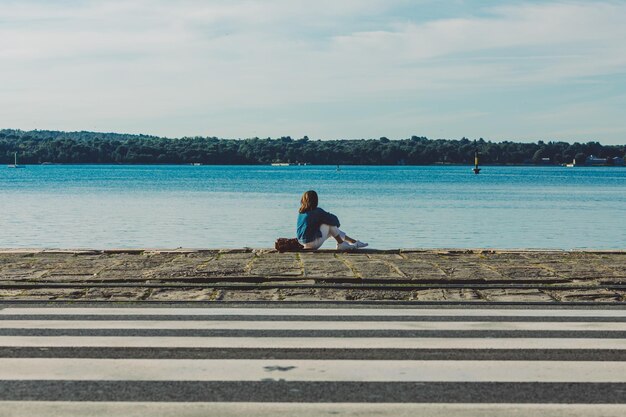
(358, 244)
(345, 246)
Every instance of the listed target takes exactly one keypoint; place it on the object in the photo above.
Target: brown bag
(284, 244)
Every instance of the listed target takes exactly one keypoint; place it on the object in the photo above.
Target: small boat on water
(15, 165)
(289, 164)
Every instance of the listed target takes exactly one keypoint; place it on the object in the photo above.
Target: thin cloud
(214, 67)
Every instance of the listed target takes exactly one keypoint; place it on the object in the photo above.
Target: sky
(328, 69)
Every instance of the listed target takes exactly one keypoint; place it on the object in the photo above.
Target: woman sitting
(316, 225)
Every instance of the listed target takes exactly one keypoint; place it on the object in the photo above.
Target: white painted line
(168, 409)
(384, 312)
(77, 369)
(311, 325)
(314, 342)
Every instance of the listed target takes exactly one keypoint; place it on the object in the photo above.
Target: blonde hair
(308, 201)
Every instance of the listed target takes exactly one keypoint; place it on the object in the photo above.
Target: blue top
(309, 224)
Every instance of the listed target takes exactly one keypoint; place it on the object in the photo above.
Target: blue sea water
(102, 206)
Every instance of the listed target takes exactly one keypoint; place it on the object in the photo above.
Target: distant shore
(42, 146)
(310, 165)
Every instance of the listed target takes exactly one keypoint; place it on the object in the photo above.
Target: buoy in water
(476, 169)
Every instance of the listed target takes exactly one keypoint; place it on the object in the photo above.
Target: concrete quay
(435, 275)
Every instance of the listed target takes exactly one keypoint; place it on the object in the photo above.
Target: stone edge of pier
(261, 274)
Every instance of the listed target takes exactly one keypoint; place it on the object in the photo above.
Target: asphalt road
(361, 359)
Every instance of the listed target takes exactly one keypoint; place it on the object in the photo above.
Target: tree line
(41, 146)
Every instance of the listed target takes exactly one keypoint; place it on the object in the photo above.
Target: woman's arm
(328, 218)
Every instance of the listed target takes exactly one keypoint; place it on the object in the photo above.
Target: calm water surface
(86, 206)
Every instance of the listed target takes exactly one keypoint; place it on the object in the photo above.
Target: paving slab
(169, 294)
(595, 295)
(324, 266)
(367, 266)
(180, 267)
(274, 264)
(576, 269)
(226, 265)
(515, 295)
(417, 269)
(447, 295)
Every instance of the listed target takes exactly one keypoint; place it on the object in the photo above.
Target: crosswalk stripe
(314, 312)
(309, 370)
(310, 342)
(315, 392)
(221, 409)
(315, 354)
(312, 325)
